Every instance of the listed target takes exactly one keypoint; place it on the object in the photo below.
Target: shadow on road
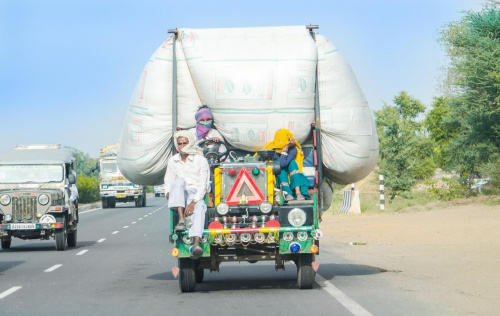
(330, 270)
(6, 265)
(46, 246)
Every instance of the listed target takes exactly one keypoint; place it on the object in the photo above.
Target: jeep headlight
(43, 199)
(266, 207)
(5, 199)
(297, 217)
(222, 208)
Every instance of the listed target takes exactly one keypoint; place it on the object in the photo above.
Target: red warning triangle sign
(234, 196)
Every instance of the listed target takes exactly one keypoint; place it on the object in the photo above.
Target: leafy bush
(454, 190)
(88, 189)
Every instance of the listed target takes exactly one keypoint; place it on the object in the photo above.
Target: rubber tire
(105, 203)
(61, 236)
(112, 202)
(144, 200)
(138, 203)
(305, 272)
(6, 244)
(199, 274)
(187, 276)
(72, 237)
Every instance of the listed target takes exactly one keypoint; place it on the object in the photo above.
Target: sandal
(196, 252)
(180, 226)
(288, 197)
(300, 197)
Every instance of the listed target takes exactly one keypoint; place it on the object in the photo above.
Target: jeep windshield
(109, 167)
(31, 173)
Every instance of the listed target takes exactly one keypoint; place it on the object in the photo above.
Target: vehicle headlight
(266, 207)
(43, 199)
(8, 217)
(104, 186)
(5, 199)
(137, 186)
(297, 217)
(222, 208)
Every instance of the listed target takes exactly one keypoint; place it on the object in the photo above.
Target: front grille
(24, 208)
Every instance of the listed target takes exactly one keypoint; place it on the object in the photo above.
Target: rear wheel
(72, 236)
(144, 201)
(187, 276)
(6, 244)
(61, 236)
(138, 203)
(305, 272)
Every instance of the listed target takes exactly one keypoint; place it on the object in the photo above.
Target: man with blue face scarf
(204, 130)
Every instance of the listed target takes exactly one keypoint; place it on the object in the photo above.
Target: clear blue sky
(68, 68)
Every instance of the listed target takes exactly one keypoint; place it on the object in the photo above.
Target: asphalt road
(122, 263)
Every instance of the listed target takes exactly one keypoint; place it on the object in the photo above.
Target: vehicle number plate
(22, 226)
(121, 195)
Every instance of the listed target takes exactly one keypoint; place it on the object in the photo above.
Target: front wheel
(104, 203)
(305, 272)
(187, 276)
(61, 236)
(199, 274)
(6, 244)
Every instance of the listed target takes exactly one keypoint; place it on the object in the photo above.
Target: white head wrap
(191, 148)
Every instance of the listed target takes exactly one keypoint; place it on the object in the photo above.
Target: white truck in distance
(113, 186)
(159, 190)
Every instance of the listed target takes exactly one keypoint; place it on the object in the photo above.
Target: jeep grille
(24, 208)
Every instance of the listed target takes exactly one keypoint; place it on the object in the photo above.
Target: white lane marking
(115, 232)
(134, 222)
(101, 240)
(145, 215)
(9, 291)
(82, 252)
(341, 297)
(53, 268)
(125, 226)
(93, 210)
(140, 219)
(150, 213)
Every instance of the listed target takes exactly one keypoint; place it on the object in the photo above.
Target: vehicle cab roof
(37, 155)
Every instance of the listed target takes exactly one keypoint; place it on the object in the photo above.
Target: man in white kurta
(186, 182)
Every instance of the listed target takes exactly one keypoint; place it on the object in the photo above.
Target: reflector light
(294, 247)
(255, 171)
(232, 172)
(314, 249)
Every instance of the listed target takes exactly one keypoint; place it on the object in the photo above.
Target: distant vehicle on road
(113, 186)
(159, 190)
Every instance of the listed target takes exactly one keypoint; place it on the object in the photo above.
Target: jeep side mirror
(71, 179)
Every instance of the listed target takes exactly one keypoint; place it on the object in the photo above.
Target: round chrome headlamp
(222, 208)
(8, 217)
(266, 207)
(297, 217)
(43, 199)
(5, 199)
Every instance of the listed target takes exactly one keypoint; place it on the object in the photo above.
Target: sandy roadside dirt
(449, 256)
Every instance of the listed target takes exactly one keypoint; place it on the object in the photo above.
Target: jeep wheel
(199, 274)
(187, 277)
(62, 236)
(305, 272)
(104, 203)
(72, 235)
(6, 244)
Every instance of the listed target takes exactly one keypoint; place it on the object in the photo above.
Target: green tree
(88, 189)
(405, 149)
(473, 45)
(86, 165)
(441, 132)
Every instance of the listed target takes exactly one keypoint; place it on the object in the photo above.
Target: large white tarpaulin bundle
(256, 81)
